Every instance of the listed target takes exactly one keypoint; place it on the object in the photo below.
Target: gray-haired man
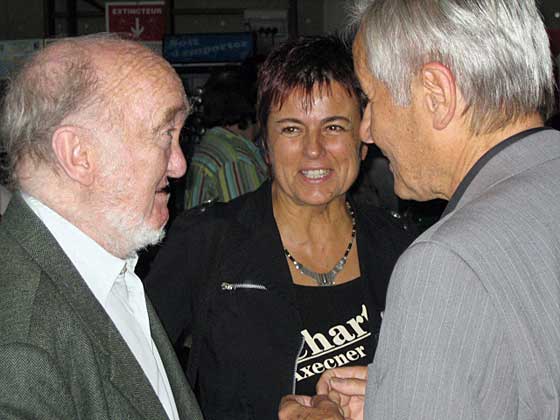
(458, 92)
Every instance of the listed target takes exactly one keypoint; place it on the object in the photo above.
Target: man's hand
(302, 407)
(347, 387)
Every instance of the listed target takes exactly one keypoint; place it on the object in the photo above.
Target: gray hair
(37, 100)
(498, 50)
(57, 83)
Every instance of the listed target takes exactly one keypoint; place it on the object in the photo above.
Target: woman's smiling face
(315, 150)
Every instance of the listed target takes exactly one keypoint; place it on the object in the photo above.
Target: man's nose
(177, 165)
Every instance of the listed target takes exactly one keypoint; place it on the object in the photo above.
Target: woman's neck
(300, 223)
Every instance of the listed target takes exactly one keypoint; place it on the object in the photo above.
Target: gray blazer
(472, 323)
(61, 356)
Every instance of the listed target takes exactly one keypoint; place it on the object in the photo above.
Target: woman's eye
(335, 128)
(290, 130)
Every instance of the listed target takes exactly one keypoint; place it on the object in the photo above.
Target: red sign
(142, 20)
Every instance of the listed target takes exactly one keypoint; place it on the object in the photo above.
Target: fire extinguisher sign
(142, 21)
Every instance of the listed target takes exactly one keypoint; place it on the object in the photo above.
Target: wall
(24, 18)
(550, 10)
(21, 19)
(334, 15)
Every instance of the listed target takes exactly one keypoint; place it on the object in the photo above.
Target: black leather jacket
(222, 276)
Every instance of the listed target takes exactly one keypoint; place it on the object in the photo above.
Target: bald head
(92, 128)
(71, 81)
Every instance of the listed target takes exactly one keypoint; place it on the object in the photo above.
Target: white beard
(130, 234)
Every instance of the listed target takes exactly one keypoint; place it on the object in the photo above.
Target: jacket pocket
(234, 286)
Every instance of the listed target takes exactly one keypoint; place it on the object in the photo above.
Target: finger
(294, 407)
(323, 409)
(355, 408)
(348, 405)
(348, 386)
(323, 384)
(338, 398)
(347, 372)
(303, 400)
(356, 372)
(323, 402)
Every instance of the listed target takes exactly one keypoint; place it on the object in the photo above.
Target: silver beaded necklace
(328, 278)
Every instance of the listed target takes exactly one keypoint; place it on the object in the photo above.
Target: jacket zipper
(233, 286)
(295, 365)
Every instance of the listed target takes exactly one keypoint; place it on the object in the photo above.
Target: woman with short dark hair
(290, 280)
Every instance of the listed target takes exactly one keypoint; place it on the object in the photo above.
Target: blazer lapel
(129, 378)
(187, 407)
(122, 368)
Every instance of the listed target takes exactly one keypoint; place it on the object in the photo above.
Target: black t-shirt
(336, 331)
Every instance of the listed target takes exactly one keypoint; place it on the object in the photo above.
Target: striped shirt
(224, 166)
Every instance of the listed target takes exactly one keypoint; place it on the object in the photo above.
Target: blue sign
(208, 48)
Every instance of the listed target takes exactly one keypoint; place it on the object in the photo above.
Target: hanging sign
(208, 47)
(142, 21)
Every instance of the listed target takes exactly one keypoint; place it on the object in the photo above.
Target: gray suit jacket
(472, 323)
(61, 356)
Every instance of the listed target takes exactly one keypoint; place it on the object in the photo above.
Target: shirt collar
(97, 266)
(467, 180)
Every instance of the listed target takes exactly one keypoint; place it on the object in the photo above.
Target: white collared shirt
(120, 292)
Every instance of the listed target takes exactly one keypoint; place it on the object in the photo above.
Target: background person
(471, 327)
(90, 126)
(285, 282)
(226, 163)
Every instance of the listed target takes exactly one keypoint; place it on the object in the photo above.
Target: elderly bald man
(90, 126)
(458, 92)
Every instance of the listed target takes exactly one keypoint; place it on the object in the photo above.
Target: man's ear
(71, 148)
(440, 93)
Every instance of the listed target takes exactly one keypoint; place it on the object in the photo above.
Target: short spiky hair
(498, 51)
(303, 63)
